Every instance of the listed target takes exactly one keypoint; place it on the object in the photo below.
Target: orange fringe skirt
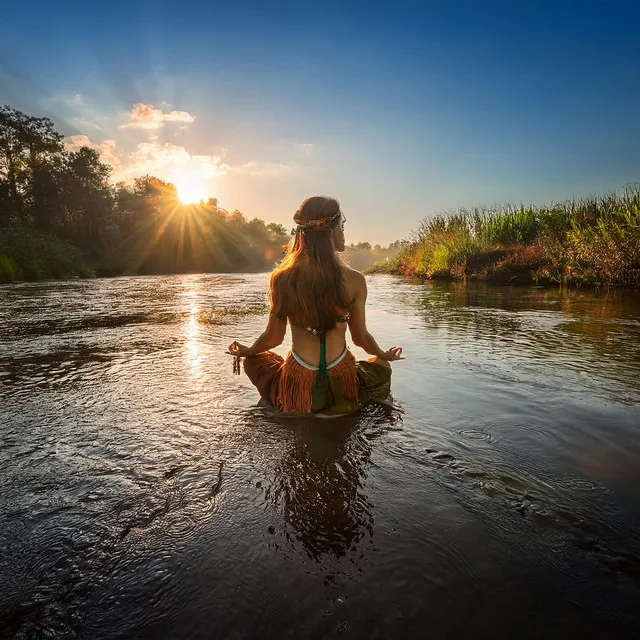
(291, 387)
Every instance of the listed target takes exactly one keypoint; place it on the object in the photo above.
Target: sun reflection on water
(193, 337)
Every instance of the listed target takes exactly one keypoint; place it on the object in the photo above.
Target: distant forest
(61, 216)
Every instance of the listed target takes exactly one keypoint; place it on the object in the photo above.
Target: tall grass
(595, 240)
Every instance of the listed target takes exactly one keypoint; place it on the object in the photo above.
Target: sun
(191, 189)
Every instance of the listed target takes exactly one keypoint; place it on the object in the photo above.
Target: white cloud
(109, 153)
(210, 166)
(166, 161)
(150, 156)
(268, 169)
(146, 116)
(78, 98)
(83, 122)
(76, 142)
(178, 116)
(306, 148)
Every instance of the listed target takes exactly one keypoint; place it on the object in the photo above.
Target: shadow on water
(319, 481)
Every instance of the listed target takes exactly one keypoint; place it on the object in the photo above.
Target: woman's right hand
(239, 350)
(395, 353)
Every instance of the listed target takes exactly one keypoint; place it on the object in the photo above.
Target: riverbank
(31, 255)
(589, 242)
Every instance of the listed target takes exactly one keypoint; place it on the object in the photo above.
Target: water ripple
(144, 495)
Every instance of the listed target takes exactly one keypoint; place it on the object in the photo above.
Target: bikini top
(323, 369)
(316, 332)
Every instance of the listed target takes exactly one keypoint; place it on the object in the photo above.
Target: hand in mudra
(395, 353)
(238, 350)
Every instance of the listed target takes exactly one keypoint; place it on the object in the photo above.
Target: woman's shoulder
(352, 276)
(354, 281)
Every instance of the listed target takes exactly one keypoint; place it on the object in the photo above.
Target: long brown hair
(308, 285)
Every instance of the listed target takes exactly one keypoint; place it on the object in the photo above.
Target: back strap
(322, 365)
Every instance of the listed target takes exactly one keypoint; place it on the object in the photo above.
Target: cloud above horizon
(146, 116)
(168, 159)
(164, 160)
(306, 148)
(83, 122)
(173, 162)
(266, 169)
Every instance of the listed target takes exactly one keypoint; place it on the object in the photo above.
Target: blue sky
(397, 109)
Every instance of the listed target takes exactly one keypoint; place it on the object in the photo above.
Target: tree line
(60, 212)
(60, 215)
(362, 255)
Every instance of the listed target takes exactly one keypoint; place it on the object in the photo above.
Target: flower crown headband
(322, 223)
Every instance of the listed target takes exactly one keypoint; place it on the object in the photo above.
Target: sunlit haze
(399, 110)
(192, 189)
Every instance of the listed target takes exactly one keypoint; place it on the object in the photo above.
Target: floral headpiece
(322, 223)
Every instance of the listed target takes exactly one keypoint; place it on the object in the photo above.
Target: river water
(144, 495)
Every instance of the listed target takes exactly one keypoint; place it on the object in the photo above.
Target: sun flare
(191, 190)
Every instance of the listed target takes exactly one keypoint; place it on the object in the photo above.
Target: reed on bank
(590, 241)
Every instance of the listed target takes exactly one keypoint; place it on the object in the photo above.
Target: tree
(88, 195)
(237, 217)
(277, 230)
(30, 149)
(13, 157)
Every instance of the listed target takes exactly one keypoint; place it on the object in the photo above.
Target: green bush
(39, 256)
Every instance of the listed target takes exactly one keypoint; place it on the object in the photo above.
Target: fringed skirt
(290, 386)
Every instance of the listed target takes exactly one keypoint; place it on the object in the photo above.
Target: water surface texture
(143, 494)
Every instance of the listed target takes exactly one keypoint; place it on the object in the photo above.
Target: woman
(320, 297)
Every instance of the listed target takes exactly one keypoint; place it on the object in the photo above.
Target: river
(144, 495)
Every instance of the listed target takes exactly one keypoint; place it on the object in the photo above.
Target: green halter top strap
(321, 382)
(322, 366)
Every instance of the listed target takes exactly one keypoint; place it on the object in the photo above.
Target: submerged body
(320, 298)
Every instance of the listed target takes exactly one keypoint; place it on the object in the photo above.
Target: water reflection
(192, 332)
(596, 304)
(193, 352)
(586, 335)
(320, 483)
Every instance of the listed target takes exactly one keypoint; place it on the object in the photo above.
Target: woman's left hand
(239, 350)
(395, 353)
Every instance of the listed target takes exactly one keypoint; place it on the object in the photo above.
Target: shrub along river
(144, 495)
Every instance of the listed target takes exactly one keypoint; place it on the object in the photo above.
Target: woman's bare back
(307, 345)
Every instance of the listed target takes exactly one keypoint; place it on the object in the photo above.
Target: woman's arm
(271, 337)
(358, 325)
